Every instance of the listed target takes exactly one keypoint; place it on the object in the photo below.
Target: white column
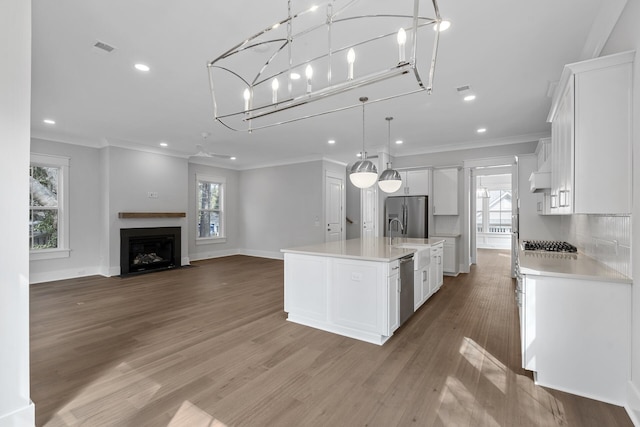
(16, 408)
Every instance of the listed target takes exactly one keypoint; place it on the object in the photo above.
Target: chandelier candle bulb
(274, 87)
(247, 97)
(308, 72)
(351, 58)
(402, 40)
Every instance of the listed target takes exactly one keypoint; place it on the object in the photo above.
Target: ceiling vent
(463, 88)
(104, 46)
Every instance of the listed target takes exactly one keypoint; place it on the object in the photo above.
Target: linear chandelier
(304, 65)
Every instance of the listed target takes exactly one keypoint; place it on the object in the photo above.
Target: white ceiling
(508, 51)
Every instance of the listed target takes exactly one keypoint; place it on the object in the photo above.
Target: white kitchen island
(348, 287)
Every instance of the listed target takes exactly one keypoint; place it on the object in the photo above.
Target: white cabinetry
(575, 335)
(421, 287)
(445, 191)
(393, 320)
(414, 183)
(436, 268)
(350, 297)
(591, 137)
(450, 256)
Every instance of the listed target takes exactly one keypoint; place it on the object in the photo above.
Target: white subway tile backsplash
(606, 238)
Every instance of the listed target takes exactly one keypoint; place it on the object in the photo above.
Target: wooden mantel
(151, 214)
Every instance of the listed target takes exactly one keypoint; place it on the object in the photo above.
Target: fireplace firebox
(143, 250)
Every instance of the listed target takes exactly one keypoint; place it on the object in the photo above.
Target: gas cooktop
(548, 246)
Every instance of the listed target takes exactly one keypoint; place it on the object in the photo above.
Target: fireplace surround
(143, 250)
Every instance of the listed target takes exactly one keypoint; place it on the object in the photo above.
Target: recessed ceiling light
(444, 25)
(274, 26)
(295, 76)
(164, 144)
(359, 155)
(313, 8)
(142, 67)
(232, 158)
(331, 141)
(469, 97)
(481, 130)
(399, 142)
(49, 121)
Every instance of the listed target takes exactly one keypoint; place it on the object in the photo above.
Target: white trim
(633, 403)
(70, 273)
(490, 162)
(261, 254)
(40, 254)
(222, 238)
(602, 27)
(210, 240)
(25, 416)
(213, 254)
(63, 163)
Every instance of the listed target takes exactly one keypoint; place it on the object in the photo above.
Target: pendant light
(363, 173)
(481, 191)
(390, 180)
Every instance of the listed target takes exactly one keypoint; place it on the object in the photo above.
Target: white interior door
(333, 206)
(368, 205)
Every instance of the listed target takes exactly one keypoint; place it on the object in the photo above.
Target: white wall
(131, 175)
(86, 214)
(281, 207)
(231, 208)
(16, 408)
(626, 36)
(532, 225)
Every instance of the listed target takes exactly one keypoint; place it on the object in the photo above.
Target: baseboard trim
(262, 254)
(71, 273)
(25, 416)
(633, 403)
(213, 254)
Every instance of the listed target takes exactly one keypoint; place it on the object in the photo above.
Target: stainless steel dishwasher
(406, 288)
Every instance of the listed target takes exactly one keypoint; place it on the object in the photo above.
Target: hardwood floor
(209, 345)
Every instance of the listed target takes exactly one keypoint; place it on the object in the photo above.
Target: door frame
(343, 201)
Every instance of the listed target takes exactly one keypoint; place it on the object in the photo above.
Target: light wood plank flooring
(209, 345)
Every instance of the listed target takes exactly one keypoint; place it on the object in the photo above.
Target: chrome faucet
(401, 228)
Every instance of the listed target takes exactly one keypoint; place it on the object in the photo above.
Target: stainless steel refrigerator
(411, 211)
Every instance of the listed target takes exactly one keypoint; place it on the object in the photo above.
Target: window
(48, 207)
(493, 211)
(210, 209)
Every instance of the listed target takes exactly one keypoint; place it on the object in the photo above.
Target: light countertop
(368, 249)
(445, 235)
(571, 266)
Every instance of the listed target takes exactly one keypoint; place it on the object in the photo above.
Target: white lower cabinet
(355, 298)
(436, 268)
(576, 335)
(421, 288)
(393, 318)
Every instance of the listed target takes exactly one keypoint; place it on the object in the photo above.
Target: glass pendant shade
(363, 174)
(390, 181)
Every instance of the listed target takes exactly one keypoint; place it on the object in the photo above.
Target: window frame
(211, 179)
(62, 164)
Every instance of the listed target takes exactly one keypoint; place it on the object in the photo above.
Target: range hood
(540, 182)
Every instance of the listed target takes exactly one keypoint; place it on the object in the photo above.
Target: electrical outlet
(152, 194)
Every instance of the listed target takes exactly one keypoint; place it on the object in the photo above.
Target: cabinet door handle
(564, 201)
(395, 268)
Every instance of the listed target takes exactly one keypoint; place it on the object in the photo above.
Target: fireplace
(143, 250)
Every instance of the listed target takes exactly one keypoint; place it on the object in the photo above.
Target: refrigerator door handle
(404, 219)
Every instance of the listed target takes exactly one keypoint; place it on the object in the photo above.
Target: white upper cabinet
(414, 183)
(445, 191)
(591, 137)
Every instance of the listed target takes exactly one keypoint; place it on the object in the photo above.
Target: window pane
(43, 229)
(44, 186)
(209, 224)
(208, 195)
